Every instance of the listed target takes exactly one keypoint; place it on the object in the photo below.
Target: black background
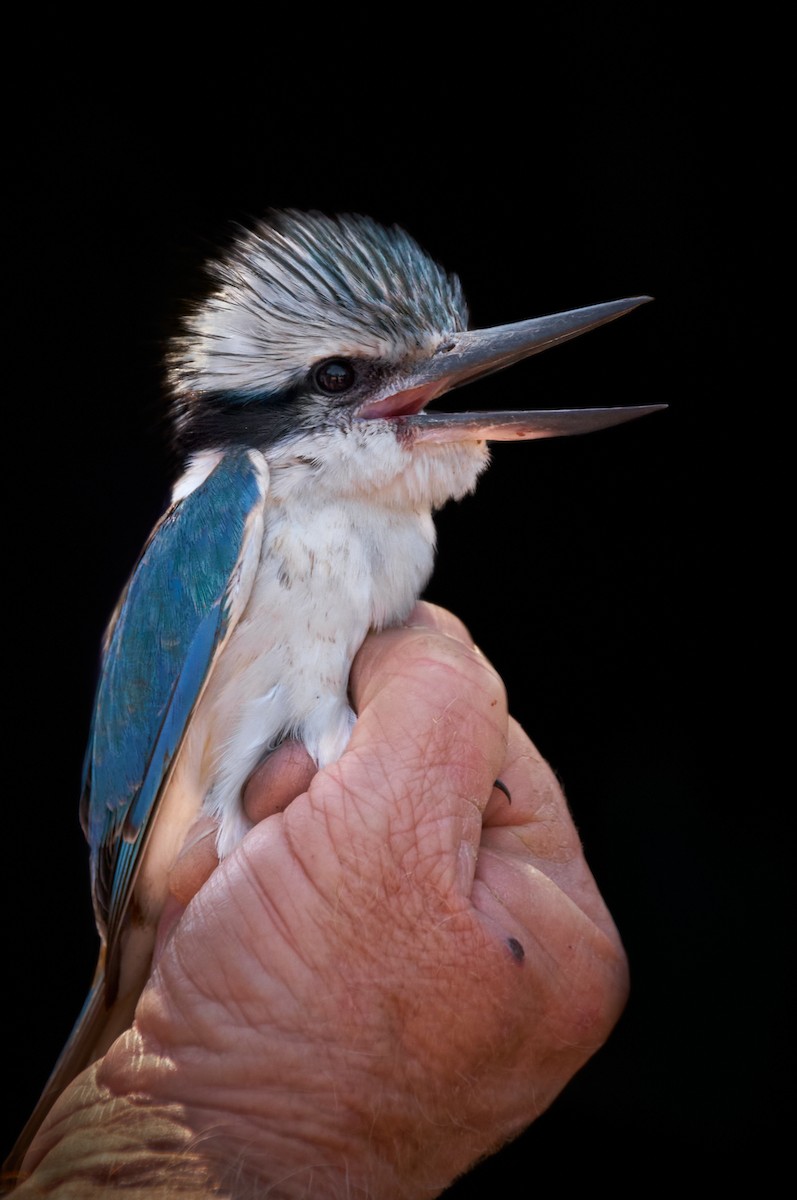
(593, 157)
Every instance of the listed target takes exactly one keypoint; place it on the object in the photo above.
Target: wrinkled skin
(398, 969)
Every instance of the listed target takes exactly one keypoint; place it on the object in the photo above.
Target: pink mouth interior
(400, 404)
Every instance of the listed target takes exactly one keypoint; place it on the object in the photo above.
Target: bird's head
(338, 331)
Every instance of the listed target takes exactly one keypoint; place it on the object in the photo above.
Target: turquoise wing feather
(172, 619)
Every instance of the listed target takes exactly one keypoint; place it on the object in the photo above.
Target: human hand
(399, 971)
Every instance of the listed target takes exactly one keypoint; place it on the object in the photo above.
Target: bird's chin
(437, 471)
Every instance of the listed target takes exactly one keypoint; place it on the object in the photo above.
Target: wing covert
(189, 587)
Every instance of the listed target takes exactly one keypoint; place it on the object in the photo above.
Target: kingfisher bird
(302, 520)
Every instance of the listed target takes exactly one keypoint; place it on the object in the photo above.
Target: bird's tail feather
(88, 1040)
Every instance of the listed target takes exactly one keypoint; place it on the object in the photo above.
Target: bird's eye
(335, 375)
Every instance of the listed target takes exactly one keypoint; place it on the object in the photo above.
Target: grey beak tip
(619, 308)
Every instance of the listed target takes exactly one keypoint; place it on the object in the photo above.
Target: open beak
(470, 355)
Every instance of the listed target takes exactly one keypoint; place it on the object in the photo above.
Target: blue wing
(173, 617)
(189, 588)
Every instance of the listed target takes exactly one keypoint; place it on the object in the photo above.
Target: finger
(538, 807)
(430, 736)
(432, 616)
(196, 862)
(284, 775)
(534, 842)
